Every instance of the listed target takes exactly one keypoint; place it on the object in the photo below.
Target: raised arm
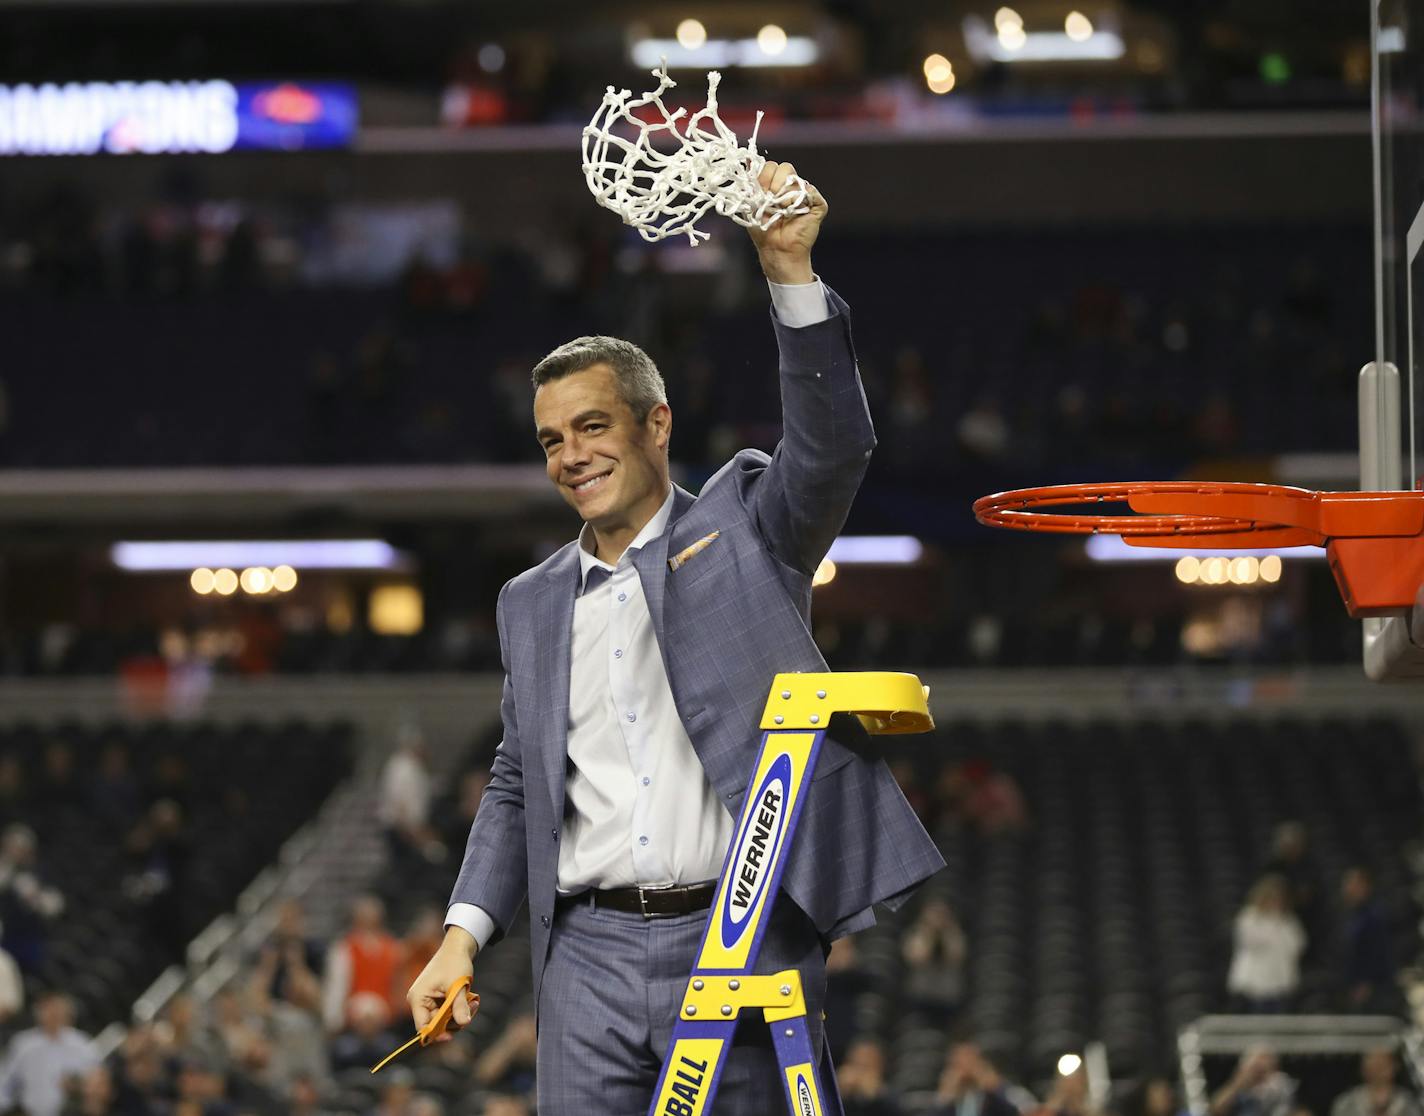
(803, 495)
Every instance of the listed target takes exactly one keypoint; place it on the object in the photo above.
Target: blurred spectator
(1378, 1095)
(508, 1065)
(368, 1038)
(140, 1074)
(972, 1086)
(1269, 940)
(28, 905)
(1257, 1088)
(14, 794)
(94, 1096)
(1368, 957)
(114, 792)
(254, 1084)
(304, 1098)
(403, 808)
(288, 964)
(398, 1096)
(1290, 860)
(182, 1031)
(935, 949)
(861, 1077)
(983, 431)
(57, 785)
(1157, 1097)
(367, 960)
(988, 799)
(506, 1106)
(40, 1061)
(1069, 1096)
(201, 1089)
(158, 852)
(12, 989)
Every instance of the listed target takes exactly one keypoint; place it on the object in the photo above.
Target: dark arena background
(273, 276)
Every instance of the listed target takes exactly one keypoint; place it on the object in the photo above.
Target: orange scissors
(439, 1021)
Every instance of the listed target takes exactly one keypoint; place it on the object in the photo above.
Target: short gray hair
(640, 384)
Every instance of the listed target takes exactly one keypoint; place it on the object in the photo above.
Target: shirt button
(554, 833)
(642, 840)
(618, 652)
(632, 716)
(622, 596)
(544, 919)
(646, 780)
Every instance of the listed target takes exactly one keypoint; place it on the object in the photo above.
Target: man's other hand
(453, 960)
(785, 248)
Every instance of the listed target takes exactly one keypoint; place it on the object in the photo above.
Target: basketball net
(664, 194)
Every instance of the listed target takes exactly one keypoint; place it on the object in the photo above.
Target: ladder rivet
(691, 1009)
(778, 718)
(790, 1033)
(786, 694)
(815, 718)
(786, 989)
(734, 984)
(726, 1009)
(697, 986)
(820, 693)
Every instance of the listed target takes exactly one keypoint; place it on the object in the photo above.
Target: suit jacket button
(544, 919)
(554, 833)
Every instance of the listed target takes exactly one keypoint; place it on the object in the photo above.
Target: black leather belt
(650, 902)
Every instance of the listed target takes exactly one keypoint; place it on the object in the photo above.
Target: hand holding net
(664, 194)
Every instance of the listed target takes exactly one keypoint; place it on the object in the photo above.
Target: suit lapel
(651, 563)
(554, 631)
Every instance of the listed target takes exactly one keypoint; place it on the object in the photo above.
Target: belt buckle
(643, 904)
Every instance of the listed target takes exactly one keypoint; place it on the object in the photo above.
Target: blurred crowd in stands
(387, 333)
(298, 1030)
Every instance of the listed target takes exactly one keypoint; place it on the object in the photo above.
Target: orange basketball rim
(1374, 540)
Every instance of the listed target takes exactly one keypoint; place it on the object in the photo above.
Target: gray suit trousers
(611, 992)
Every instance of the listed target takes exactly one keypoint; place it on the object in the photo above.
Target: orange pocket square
(687, 553)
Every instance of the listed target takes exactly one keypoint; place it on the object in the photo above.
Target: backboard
(1391, 385)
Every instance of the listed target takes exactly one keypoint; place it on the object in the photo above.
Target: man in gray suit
(637, 661)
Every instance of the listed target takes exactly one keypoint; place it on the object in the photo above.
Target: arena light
(1112, 548)
(256, 580)
(715, 54)
(1069, 1064)
(1078, 27)
(771, 39)
(312, 554)
(825, 573)
(691, 35)
(876, 550)
(1010, 42)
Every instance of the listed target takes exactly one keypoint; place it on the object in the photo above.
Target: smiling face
(608, 466)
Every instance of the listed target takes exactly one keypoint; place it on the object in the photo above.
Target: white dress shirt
(639, 810)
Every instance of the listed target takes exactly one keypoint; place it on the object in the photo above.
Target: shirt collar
(651, 530)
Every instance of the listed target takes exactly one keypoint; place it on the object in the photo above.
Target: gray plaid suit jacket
(727, 620)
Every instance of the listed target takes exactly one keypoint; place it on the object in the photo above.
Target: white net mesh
(664, 194)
